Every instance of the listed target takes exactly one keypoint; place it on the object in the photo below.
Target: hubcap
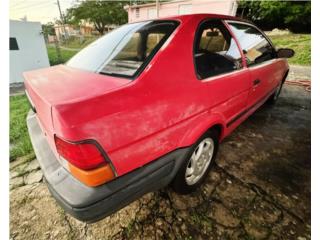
(199, 161)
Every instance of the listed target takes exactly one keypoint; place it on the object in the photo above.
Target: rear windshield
(124, 51)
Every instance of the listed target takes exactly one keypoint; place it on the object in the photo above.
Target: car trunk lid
(58, 85)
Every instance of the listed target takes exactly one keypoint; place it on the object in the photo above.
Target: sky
(37, 10)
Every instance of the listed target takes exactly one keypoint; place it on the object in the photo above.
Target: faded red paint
(165, 108)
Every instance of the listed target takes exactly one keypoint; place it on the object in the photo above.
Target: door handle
(256, 82)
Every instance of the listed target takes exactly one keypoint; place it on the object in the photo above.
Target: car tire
(197, 164)
(275, 96)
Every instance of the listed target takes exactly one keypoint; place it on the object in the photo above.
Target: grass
(77, 43)
(66, 54)
(20, 144)
(53, 57)
(300, 43)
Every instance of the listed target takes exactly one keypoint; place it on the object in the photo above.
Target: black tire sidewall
(179, 184)
(275, 96)
(277, 93)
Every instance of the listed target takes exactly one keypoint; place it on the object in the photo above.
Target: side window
(255, 46)
(153, 40)
(215, 51)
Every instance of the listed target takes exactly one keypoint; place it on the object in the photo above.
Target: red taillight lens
(82, 155)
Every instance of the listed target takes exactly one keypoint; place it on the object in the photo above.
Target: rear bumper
(92, 204)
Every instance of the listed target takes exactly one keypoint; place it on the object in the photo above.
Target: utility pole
(129, 11)
(157, 6)
(56, 44)
(62, 19)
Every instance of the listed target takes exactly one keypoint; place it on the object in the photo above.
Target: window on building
(255, 46)
(13, 44)
(137, 12)
(215, 51)
(185, 9)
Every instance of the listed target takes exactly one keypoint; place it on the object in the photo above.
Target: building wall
(51, 39)
(32, 51)
(148, 11)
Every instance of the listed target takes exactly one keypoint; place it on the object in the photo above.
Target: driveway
(259, 189)
(298, 72)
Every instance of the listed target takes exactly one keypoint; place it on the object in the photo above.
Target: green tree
(299, 19)
(98, 12)
(48, 29)
(294, 15)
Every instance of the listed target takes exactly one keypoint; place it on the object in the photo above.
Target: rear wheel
(197, 164)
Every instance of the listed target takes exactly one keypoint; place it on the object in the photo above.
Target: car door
(219, 65)
(260, 58)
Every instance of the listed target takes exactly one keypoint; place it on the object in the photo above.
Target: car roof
(203, 16)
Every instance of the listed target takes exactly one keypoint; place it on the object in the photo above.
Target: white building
(27, 49)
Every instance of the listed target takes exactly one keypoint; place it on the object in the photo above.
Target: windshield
(126, 50)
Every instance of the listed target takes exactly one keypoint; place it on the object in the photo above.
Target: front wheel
(197, 165)
(274, 97)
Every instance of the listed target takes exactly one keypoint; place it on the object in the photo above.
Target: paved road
(259, 189)
(298, 72)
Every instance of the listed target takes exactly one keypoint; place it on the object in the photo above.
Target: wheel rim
(199, 161)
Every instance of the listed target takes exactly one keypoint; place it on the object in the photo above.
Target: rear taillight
(85, 162)
(85, 156)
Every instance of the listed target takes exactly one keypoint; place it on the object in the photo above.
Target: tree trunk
(101, 31)
(99, 27)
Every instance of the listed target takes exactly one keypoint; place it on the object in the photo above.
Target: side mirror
(285, 53)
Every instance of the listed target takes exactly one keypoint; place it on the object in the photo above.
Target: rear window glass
(126, 50)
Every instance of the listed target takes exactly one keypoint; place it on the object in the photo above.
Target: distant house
(27, 49)
(180, 7)
(50, 39)
(66, 30)
(85, 29)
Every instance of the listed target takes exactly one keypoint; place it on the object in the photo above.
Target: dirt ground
(259, 189)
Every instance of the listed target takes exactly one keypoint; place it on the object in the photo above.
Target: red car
(147, 105)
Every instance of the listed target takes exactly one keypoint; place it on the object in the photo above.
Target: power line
(35, 5)
(22, 5)
(27, 4)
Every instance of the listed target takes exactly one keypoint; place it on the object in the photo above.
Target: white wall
(32, 53)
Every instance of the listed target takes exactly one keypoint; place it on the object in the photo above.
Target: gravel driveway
(260, 189)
